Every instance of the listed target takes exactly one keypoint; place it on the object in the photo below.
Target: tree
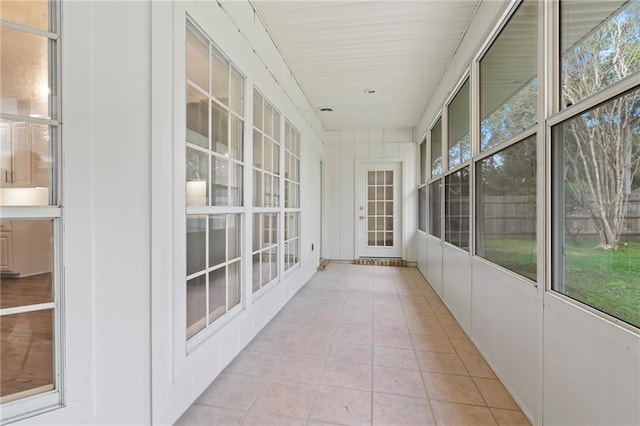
(602, 146)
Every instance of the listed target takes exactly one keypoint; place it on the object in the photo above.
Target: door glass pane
(197, 118)
(26, 163)
(237, 138)
(32, 13)
(234, 235)
(256, 281)
(196, 244)
(234, 284)
(220, 175)
(196, 305)
(197, 60)
(217, 239)
(380, 205)
(26, 260)
(236, 97)
(217, 293)
(27, 353)
(197, 178)
(235, 186)
(25, 86)
(257, 110)
(219, 129)
(220, 76)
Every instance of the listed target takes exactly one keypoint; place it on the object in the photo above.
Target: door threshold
(380, 261)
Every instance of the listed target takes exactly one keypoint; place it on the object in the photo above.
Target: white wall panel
(591, 369)
(506, 318)
(434, 264)
(341, 159)
(456, 284)
(421, 252)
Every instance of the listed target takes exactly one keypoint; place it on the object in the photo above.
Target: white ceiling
(337, 50)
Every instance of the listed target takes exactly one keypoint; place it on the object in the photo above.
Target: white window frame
(212, 325)
(34, 404)
(292, 152)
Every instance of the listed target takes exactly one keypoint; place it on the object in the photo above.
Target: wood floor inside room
(27, 338)
(359, 345)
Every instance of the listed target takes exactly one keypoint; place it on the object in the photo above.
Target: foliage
(602, 146)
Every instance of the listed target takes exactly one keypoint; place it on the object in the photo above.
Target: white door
(379, 209)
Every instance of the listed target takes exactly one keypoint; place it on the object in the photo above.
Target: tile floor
(359, 345)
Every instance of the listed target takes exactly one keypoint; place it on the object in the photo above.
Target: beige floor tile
(476, 365)
(464, 345)
(347, 352)
(495, 395)
(398, 382)
(342, 406)
(353, 334)
(394, 357)
(203, 415)
(310, 346)
(432, 344)
(401, 410)
(257, 364)
(281, 328)
(392, 339)
(437, 362)
(450, 414)
(346, 375)
(264, 419)
(296, 315)
(396, 314)
(284, 399)
(452, 388)
(272, 343)
(232, 391)
(427, 328)
(510, 418)
(298, 369)
(393, 326)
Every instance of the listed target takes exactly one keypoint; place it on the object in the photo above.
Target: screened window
(458, 123)
(422, 186)
(435, 205)
(291, 196)
(457, 208)
(596, 238)
(506, 208)
(30, 229)
(214, 182)
(508, 79)
(599, 44)
(424, 170)
(436, 149)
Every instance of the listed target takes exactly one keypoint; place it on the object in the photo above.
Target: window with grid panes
(30, 229)
(214, 183)
(291, 196)
(266, 191)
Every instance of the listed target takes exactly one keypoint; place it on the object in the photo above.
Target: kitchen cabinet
(5, 246)
(16, 163)
(25, 247)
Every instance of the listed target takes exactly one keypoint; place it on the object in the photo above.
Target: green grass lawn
(608, 280)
